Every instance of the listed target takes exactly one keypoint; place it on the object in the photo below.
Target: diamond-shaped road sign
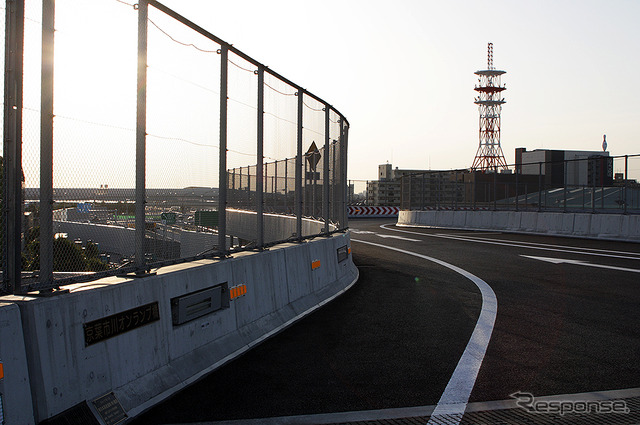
(313, 156)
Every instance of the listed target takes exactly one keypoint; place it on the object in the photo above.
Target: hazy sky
(402, 73)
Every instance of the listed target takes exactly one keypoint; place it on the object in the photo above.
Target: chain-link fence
(597, 184)
(163, 143)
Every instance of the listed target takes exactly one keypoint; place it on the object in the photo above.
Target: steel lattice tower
(489, 155)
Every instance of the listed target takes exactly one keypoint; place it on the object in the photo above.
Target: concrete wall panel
(298, 272)
(568, 224)
(514, 219)
(474, 219)
(145, 365)
(596, 226)
(582, 224)
(459, 218)
(444, 218)
(15, 388)
(529, 221)
(549, 223)
(500, 220)
(612, 227)
(631, 226)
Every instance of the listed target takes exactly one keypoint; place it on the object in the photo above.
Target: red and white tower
(489, 156)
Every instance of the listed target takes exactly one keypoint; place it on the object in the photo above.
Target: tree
(67, 256)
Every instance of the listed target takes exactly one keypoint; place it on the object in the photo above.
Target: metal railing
(116, 176)
(598, 184)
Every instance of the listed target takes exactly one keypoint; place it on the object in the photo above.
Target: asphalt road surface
(567, 321)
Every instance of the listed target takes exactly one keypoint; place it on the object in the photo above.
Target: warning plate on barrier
(109, 409)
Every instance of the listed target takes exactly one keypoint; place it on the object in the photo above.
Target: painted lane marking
(469, 233)
(397, 237)
(453, 401)
(571, 250)
(362, 232)
(580, 263)
(608, 251)
(368, 232)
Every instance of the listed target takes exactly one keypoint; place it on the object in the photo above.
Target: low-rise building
(386, 191)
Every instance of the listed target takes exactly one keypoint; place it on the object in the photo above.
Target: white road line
(607, 251)
(453, 401)
(580, 263)
(556, 248)
(468, 233)
(397, 237)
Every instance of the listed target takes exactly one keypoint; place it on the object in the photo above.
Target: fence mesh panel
(182, 143)
(31, 139)
(93, 139)
(97, 142)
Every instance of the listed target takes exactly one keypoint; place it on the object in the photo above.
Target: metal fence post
(298, 192)
(141, 129)
(46, 144)
(564, 192)
(518, 192)
(334, 195)
(602, 187)
(12, 162)
(343, 175)
(274, 192)
(422, 190)
(593, 195)
(260, 164)
(222, 167)
(495, 189)
(248, 204)
(626, 180)
(325, 171)
(455, 191)
(539, 186)
(473, 190)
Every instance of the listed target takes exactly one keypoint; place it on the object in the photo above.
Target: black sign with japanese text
(110, 409)
(119, 323)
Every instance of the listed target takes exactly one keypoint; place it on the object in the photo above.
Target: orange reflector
(349, 250)
(1, 371)
(315, 264)
(237, 291)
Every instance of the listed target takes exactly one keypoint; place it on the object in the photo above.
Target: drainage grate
(519, 416)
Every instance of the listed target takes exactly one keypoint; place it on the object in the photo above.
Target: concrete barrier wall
(15, 393)
(597, 226)
(147, 364)
(116, 239)
(243, 224)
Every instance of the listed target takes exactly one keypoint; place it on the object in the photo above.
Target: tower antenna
(489, 156)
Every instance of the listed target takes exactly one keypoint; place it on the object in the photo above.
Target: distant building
(560, 167)
(386, 190)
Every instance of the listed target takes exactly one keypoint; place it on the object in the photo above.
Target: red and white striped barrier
(362, 211)
(452, 209)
